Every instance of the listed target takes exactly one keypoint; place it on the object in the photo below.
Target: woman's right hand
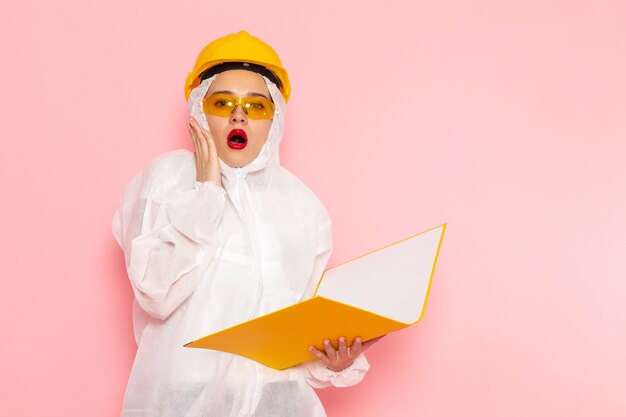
(207, 162)
(339, 359)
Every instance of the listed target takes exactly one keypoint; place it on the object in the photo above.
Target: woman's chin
(238, 158)
(236, 161)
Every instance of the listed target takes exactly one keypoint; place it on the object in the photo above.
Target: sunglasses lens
(258, 108)
(219, 104)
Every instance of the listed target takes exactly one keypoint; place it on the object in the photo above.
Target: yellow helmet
(242, 48)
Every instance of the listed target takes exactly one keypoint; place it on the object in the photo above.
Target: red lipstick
(237, 139)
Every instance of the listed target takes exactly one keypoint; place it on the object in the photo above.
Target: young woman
(219, 236)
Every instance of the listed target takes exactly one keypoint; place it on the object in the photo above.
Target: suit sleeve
(166, 224)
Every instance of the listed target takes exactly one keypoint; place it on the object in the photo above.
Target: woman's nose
(238, 115)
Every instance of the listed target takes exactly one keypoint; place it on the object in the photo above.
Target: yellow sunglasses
(225, 104)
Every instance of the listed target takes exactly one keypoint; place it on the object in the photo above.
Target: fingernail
(311, 348)
(326, 341)
(342, 339)
(357, 339)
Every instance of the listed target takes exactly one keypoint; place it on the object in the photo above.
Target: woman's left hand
(339, 359)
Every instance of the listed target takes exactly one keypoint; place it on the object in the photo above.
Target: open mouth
(237, 139)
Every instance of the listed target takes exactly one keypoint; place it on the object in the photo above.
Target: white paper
(392, 282)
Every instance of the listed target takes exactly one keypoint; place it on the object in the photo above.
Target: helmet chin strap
(269, 150)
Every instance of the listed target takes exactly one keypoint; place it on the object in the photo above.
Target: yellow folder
(369, 296)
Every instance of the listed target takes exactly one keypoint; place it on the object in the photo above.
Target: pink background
(504, 119)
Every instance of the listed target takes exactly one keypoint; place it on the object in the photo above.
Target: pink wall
(504, 119)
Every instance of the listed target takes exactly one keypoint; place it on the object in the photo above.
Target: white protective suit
(201, 258)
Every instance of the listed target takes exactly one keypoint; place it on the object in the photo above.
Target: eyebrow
(249, 94)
